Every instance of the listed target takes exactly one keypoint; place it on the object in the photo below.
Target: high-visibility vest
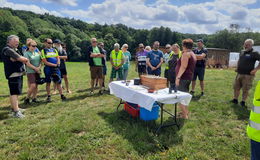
(253, 128)
(117, 59)
(170, 56)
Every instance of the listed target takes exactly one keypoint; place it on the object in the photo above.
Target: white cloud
(64, 2)
(33, 8)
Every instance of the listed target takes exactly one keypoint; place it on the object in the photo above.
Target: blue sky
(186, 16)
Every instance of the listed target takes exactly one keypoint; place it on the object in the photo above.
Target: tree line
(76, 34)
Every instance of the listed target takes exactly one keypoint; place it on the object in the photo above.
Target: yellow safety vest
(253, 128)
(117, 60)
(170, 56)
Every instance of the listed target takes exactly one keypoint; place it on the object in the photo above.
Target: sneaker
(18, 114)
(27, 101)
(48, 99)
(235, 101)
(69, 91)
(19, 109)
(63, 97)
(35, 100)
(243, 103)
(192, 92)
(202, 94)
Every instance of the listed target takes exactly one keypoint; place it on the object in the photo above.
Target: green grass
(88, 127)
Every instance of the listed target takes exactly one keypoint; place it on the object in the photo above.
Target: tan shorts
(96, 72)
(243, 81)
(32, 77)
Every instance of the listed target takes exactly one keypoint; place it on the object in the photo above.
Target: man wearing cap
(63, 57)
(50, 57)
(141, 60)
(117, 61)
(201, 55)
(166, 57)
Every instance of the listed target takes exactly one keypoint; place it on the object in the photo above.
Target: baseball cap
(200, 40)
(57, 41)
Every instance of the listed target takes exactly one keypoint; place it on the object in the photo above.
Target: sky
(185, 16)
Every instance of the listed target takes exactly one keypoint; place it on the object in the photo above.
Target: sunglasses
(49, 42)
(33, 46)
(94, 42)
(168, 48)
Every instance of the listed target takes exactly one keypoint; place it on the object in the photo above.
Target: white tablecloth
(139, 95)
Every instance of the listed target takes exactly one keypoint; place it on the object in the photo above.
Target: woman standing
(174, 56)
(33, 70)
(184, 72)
(127, 58)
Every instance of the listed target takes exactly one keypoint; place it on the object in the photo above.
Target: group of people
(182, 68)
(52, 56)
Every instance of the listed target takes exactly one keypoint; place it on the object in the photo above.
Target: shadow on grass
(241, 112)
(196, 98)
(4, 115)
(141, 134)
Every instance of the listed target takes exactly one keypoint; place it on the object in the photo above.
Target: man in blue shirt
(154, 60)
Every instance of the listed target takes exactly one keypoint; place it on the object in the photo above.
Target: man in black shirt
(245, 71)
(14, 71)
(63, 57)
(201, 55)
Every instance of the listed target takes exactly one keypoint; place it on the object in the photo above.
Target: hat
(200, 40)
(57, 41)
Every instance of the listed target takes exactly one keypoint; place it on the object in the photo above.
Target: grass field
(88, 127)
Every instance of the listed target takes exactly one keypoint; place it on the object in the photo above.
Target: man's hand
(253, 72)
(23, 59)
(153, 68)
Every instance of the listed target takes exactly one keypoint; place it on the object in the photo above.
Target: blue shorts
(142, 69)
(52, 74)
(156, 72)
(199, 72)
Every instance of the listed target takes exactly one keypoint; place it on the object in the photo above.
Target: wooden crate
(154, 82)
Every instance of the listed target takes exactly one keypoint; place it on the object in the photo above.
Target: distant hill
(76, 33)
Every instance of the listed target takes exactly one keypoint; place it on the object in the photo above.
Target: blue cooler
(150, 115)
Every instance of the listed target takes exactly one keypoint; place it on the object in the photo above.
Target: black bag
(39, 80)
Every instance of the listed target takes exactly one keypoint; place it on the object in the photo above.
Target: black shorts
(199, 72)
(184, 85)
(142, 69)
(63, 71)
(15, 85)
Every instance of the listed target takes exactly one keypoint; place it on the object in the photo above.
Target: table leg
(121, 102)
(173, 116)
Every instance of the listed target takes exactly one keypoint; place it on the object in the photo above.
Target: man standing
(63, 57)
(166, 58)
(50, 57)
(154, 60)
(117, 61)
(96, 62)
(141, 60)
(245, 71)
(14, 71)
(201, 55)
(253, 128)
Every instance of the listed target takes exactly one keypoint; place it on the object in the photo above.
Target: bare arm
(48, 63)
(159, 65)
(201, 57)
